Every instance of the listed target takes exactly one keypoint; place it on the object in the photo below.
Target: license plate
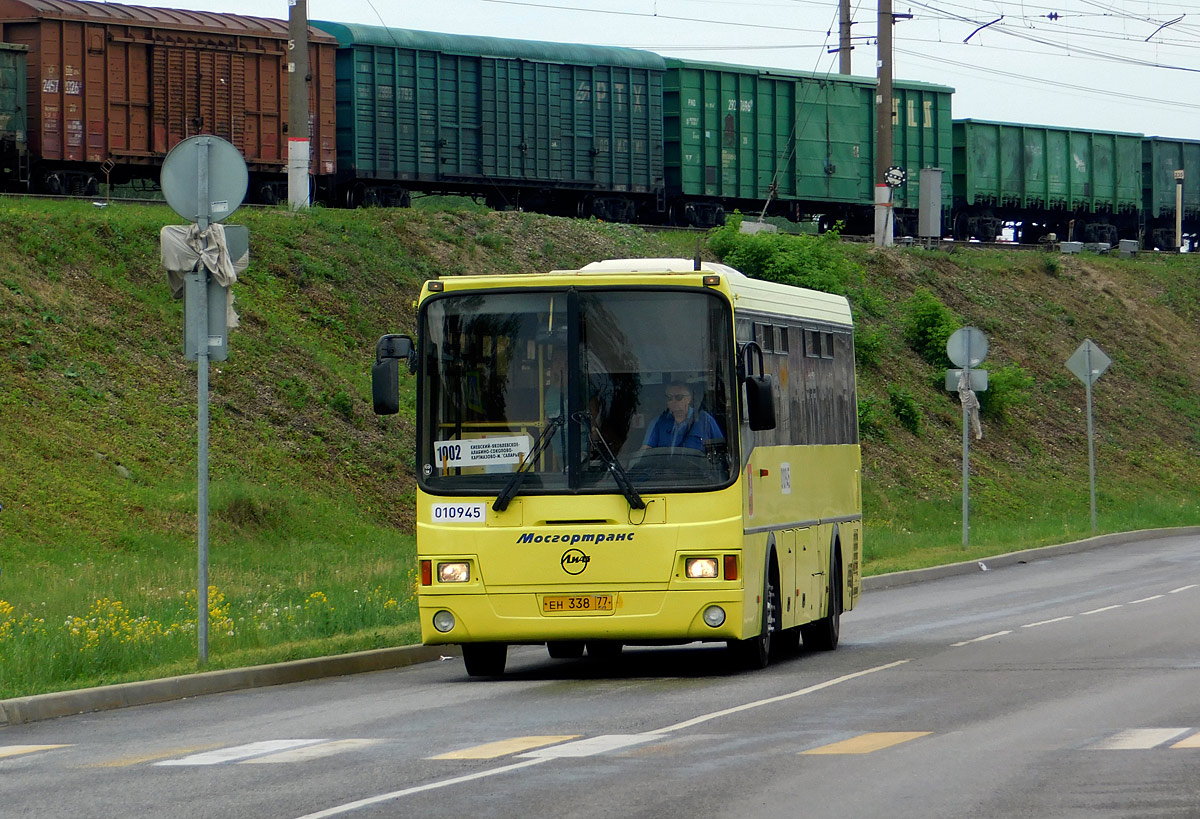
(577, 603)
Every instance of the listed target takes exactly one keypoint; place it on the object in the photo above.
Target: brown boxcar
(113, 88)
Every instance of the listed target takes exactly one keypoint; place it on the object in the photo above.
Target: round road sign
(967, 347)
(207, 162)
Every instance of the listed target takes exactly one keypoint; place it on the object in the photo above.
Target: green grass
(312, 496)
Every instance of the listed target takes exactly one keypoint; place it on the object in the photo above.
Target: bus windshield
(582, 390)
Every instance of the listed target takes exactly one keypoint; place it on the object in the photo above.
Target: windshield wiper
(620, 476)
(514, 483)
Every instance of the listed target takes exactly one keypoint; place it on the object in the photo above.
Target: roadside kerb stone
(106, 697)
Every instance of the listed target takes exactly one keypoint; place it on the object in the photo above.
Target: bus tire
(823, 634)
(603, 649)
(485, 659)
(755, 653)
(565, 649)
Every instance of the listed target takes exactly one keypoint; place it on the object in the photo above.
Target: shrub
(928, 325)
(871, 419)
(1008, 387)
(905, 408)
(868, 345)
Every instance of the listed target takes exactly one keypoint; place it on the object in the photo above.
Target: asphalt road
(1061, 687)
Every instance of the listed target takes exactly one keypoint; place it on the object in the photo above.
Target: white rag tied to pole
(969, 401)
(186, 247)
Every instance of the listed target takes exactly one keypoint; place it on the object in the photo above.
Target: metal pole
(966, 463)
(844, 37)
(298, 114)
(966, 459)
(1091, 436)
(202, 222)
(1178, 210)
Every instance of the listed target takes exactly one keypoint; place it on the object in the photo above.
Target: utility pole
(883, 125)
(298, 78)
(844, 37)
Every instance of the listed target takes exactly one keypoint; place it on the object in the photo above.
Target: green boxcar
(1086, 184)
(569, 128)
(1161, 158)
(736, 135)
(14, 151)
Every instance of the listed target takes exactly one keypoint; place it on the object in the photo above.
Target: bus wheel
(756, 652)
(823, 634)
(603, 649)
(565, 649)
(485, 659)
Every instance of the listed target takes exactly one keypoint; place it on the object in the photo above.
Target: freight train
(95, 93)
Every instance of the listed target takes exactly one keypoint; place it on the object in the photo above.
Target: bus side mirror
(760, 391)
(385, 374)
(760, 402)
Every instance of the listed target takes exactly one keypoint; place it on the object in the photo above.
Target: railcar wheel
(485, 659)
(565, 649)
(823, 634)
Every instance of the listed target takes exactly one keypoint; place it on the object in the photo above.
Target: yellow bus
(641, 451)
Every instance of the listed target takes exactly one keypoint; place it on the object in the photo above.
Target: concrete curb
(895, 579)
(20, 710)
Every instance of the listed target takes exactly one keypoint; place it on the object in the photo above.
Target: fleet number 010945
(458, 512)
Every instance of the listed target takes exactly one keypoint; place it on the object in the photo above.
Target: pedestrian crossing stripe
(7, 751)
(504, 747)
(867, 743)
(1143, 739)
(237, 753)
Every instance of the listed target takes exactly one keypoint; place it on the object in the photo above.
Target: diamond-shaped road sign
(1088, 362)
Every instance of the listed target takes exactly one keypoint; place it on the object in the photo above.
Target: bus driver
(680, 425)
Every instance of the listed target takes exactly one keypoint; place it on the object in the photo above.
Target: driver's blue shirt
(691, 432)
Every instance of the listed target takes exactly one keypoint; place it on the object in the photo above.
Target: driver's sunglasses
(676, 396)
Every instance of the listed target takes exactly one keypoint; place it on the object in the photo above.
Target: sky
(1115, 65)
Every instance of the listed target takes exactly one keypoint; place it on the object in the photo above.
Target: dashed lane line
(1145, 599)
(981, 639)
(1097, 611)
(1048, 622)
(868, 743)
(1183, 588)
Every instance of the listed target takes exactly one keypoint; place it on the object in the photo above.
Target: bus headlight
(454, 572)
(696, 567)
(714, 616)
(443, 621)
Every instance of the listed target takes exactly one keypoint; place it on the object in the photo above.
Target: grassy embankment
(311, 494)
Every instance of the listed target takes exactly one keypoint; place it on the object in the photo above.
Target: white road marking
(818, 687)
(590, 746)
(1144, 599)
(240, 752)
(594, 745)
(1097, 611)
(980, 639)
(1048, 622)
(19, 750)
(1139, 739)
(1182, 588)
(306, 752)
